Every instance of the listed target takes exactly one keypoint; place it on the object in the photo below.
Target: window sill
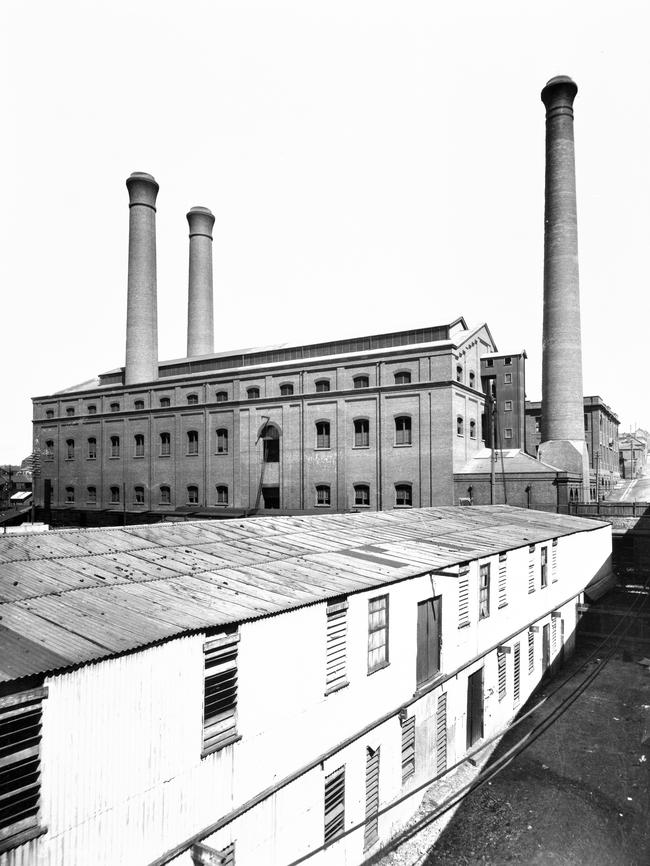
(323, 448)
(21, 837)
(378, 668)
(402, 506)
(91, 458)
(193, 454)
(361, 447)
(229, 742)
(423, 688)
(220, 453)
(485, 616)
(220, 505)
(336, 688)
(403, 445)
(362, 505)
(322, 505)
(112, 457)
(138, 456)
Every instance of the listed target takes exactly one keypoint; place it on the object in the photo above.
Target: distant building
(633, 453)
(268, 689)
(503, 377)
(601, 435)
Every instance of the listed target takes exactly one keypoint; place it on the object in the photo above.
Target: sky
(372, 166)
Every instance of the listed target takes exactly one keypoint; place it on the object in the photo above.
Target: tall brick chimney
(200, 314)
(142, 310)
(563, 436)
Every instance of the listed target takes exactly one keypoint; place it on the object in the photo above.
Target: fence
(609, 509)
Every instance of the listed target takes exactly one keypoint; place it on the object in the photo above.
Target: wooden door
(474, 707)
(429, 639)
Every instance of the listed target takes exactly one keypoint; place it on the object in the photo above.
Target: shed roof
(74, 596)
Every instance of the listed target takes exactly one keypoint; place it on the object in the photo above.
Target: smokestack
(200, 315)
(563, 436)
(142, 311)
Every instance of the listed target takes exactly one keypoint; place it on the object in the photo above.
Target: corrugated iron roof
(74, 596)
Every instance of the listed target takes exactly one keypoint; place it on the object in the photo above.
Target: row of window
(403, 436)
(286, 390)
(403, 495)
(485, 582)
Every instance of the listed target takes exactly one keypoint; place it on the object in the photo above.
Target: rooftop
(74, 596)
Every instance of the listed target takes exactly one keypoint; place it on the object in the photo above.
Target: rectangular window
(336, 645)
(408, 749)
(463, 596)
(501, 664)
(484, 592)
(516, 686)
(507, 433)
(20, 754)
(507, 378)
(544, 566)
(334, 805)
(371, 832)
(503, 579)
(377, 633)
(220, 692)
(554, 561)
(507, 406)
(531, 568)
(531, 652)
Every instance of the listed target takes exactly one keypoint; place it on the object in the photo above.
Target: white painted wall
(122, 776)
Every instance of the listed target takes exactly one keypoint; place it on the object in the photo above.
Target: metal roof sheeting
(74, 596)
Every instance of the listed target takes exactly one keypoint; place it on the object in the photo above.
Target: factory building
(193, 690)
(372, 423)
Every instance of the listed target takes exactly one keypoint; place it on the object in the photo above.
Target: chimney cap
(201, 220)
(143, 188)
(559, 81)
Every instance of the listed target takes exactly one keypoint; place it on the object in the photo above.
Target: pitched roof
(74, 596)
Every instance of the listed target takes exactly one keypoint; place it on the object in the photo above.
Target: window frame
(360, 382)
(484, 581)
(138, 494)
(92, 448)
(286, 389)
(221, 397)
(334, 817)
(115, 446)
(323, 386)
(219, 492)
(114, 407)
(165, 444)
(404, 487)
(190, 492)
(69, 449)
(359, 434)
(115, 494)
(460, 425)
(91, 494)
(26, 705)
(69, 495)
(222, 440)
(165, 402)
(361, 487)
(253, 393)
(164, 495)
(138, 445)
(192, 437)
(324, 437)
(384, 661)
(404, 375)
(138, 405)
(221, 652)
(192, 399)
(324, 490)
(403, 433)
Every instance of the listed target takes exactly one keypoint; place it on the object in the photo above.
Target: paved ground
(578, 796)
(628, 491)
